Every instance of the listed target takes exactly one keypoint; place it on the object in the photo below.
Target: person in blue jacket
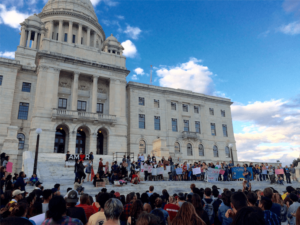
(247, 175)
(20, 181)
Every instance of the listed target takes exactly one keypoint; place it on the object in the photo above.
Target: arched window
(177, 147)
(216, 153)
(21, 138)
(189, 149)
(201, 150)
(227, 152)
(142, 146)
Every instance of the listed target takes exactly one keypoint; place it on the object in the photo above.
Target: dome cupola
(111, 45)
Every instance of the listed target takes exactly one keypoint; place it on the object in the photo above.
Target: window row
(185, 107)
(186, 125)
(189, 149)
(81, 105)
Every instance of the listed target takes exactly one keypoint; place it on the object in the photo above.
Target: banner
(150, 169)
(196, 170)
(237, 172)
(279, 171)
(168, 168)
(212, 175)
(178, 171)
(79, 157)
(222, 172)
(154, 172)
(9, 167)
(160, 170)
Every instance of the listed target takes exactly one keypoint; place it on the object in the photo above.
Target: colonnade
(26, 35)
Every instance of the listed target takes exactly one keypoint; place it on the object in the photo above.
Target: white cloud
(7, 55)
(11, 17)
(95, 2)
(133, 32)
(271, 130)
(139, 71)
(190, 76)
(120, 17)
(130, 50)
(107, 2)
(291, 28)
(134, 77)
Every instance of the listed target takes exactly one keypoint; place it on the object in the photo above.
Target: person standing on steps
(89, 169)
(100, 168)
(81, 173)
(67, 158)
(76, 167)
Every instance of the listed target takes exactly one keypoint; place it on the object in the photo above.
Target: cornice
(79, 62)
(10, 62)
(74, 14)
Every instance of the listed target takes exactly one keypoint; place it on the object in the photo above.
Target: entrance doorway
(60, 140)
(80, 142)
(101, 142)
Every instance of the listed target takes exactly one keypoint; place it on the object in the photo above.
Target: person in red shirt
(88, 209)
(135, 178)
(184, 171)
(172, 208)
(100, 168)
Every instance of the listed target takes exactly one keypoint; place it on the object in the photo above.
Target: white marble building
(69, 79)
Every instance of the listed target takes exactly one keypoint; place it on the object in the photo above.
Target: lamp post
(38, 131)
(230, 146)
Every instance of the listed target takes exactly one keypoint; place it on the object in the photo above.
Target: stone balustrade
(82, 116)
(189, 135)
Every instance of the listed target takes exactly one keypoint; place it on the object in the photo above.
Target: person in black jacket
(96, 179)
(81, 173)
(76, 167)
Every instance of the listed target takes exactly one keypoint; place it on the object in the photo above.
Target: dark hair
(19, 209)
(57, 208)
(151, 188)
(249, 216)
(144, 198)
(252, 197)
(294, 197)
(207, 191)
(197, 203)
(103, 190)
(215, 192)
(69, 189)
(21, 173)
(84, 199)
(158, 213)
(232, 190)
(102, 198)
(147, 219)
(122, 199)
(47, 193)
(158, 202)
(8, 177)
(268, 193)
(15, 221)
(226, 198)
(57, 186)
(136, 209)
(238, 200)
(266, 202)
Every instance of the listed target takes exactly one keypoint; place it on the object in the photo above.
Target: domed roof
(112, 38)
(80, 6)
(35, 18)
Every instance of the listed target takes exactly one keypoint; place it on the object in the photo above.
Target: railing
(189, 135)
(82, 115)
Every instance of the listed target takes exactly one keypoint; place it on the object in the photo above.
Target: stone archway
(102, 142)
(82, 140)
(61, 139)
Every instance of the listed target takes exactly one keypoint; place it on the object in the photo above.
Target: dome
(111, 45)
(111, 38)
(79, 6)
(35, 18)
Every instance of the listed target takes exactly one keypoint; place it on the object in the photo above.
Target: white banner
(168, 169)
(160, 170)
(196, 170)
(212, 175)
(154, 172)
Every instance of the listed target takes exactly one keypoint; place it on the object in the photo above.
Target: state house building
(69, 79)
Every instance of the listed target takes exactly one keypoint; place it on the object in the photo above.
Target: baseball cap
(72, 197)
(181, 196)
(17, 192)
(117, 194)
(38, 183)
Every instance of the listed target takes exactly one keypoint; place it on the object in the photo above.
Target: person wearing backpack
(207, 203)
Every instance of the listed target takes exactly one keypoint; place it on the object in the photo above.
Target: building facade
(69, 79)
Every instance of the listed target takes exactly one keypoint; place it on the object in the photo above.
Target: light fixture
(80, 129)
(100, 131)
(230, 145)
(38, 131)
(61, 128)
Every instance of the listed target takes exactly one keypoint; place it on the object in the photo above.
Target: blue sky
(244, 50)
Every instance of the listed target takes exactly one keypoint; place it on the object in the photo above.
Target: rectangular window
(223, 113)
(156, 103)
(52, 35)
(173, 105)
(23, 111)
(26, 87)
(62, 103)
(99, 108)
(66, 37)
(81, 106)
(141, 101)
(197, 127)
(185, 107)
(174, 125)
(142, 121)
(82, 40)
(211, 111)
(1, 78)
(213, 129)
(74, 39)
(225, 133)
(57, 36)
(196, 109)
(186, 125)
(156, 122)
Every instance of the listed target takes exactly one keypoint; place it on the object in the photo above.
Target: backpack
(210, 210)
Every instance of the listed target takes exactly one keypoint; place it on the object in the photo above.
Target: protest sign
(178, 171)
(150, 169)
(222, 172)
(160, 170)
(154, 172)
(196, 170)
(9, 167)
(212, 175)
(39, 219)
(100, 184)
(168, 168)
(279, 171)
(237, 172)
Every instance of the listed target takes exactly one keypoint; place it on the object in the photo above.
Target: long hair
(298, 216)
(197, 203)
(147, 219)
(276, 198)
(57, 208)
(187, 216)
(249, 216)
(136, 209)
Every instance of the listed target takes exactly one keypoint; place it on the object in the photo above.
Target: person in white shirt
(47, 195)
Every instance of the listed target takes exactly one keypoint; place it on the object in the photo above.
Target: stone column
(41, 40)
(34, 45)
(60, 31)
(72, 142)
(70, 34)
(117, 99)
(75, 91)
(88, 41)
(28, 39)
(93, 144)
(111, 97)
(79, 34)
(23, 37)
(50, 30)
(95, 39)
(94, 94)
